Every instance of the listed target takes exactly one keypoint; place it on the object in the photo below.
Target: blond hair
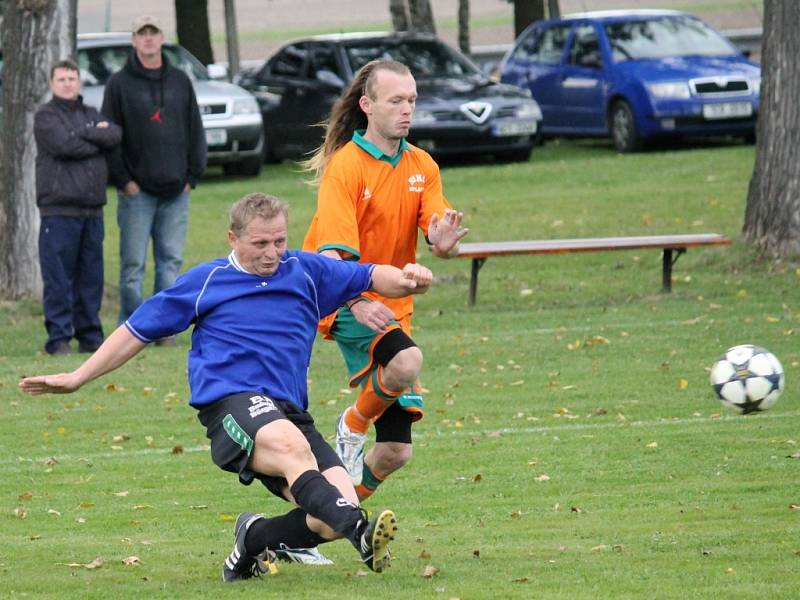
(255, 205)
(346, 114)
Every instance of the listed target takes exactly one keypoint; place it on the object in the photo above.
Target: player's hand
(131, 188)
(61, 383)
(373, 314)
(102, 125)
(445, 232)
(417, 278)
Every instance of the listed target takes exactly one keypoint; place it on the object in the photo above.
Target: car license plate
(727, 110)
(514, 128)
(216, 137)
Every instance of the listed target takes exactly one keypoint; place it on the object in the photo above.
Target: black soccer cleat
(240, 565)
(374, 541)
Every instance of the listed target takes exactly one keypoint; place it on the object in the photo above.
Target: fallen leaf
(520, 580)
(51, 461)
(476, 553)
(227, 518)
(730, 570)
(683, 384)
(794, 506)
(177, 449)
(516, 514)
(25, 496)
(542, 477)
(575, 509)
(149, 440)
(53, 511)
(121, 438)
(96, 563)
(122, 494)
(20, 513)
(198, 506)
(477, 478)
(771, 319)
(131, 561)
(652, 445)
(429, 571)
(599, 548)
(141, 506)
(424, 554)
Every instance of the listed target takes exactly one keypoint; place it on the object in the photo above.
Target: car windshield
(427, 59)
(665, 37)
(98, 64)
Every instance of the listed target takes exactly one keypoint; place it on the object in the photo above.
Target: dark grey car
(459, 110)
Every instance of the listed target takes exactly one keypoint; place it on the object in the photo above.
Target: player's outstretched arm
(392, 282)
(445, 232)
(118, 349)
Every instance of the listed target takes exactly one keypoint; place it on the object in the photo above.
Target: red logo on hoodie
(156, 116)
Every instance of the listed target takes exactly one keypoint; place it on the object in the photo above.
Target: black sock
(290, 529)
(320, 498)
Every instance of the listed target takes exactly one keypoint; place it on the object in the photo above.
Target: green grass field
(572, 447)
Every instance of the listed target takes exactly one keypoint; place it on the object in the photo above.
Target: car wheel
(269, 152)
(623, 128)
(249, 167)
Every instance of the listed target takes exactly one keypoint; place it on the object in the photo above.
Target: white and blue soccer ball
(748, 379)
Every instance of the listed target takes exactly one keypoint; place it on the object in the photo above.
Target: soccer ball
(747, 379)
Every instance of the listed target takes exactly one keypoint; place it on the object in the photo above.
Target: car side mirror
(330, 78)
(217, 71)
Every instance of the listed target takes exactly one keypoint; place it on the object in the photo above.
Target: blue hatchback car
(635, 75)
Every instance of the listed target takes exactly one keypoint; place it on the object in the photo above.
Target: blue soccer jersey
(251, 333)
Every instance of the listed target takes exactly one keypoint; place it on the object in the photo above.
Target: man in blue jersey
(254, 316)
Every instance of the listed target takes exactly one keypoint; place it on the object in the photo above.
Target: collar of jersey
(375, 152)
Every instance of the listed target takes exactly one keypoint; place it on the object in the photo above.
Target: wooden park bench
(669, 244)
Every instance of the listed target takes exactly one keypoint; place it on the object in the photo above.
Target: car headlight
(670, 89)
(755, 85)
(245, 106)
(529, 110)
(422, 117)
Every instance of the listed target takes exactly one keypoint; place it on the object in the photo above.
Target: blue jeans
(71, 257)
(141, 217)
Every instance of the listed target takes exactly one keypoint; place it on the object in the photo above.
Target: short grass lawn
(572, 446)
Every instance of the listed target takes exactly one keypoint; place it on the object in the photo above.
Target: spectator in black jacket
(162, 155)
(71, 177)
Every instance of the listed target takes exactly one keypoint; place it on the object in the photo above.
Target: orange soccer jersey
(372, 206)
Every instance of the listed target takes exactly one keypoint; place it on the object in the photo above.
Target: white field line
(505, 431)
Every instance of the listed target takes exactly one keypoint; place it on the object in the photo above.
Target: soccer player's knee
(291, 447)
(393, 456)
(403, 370)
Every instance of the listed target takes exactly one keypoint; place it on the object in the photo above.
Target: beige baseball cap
(143, 21)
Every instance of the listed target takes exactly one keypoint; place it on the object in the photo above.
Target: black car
(459, 110)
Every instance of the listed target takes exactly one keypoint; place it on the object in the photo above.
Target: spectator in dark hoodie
(162, 155)
(71, 178)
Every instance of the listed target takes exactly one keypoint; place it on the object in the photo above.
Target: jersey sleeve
(170, 311)
(337, 280)
(335, 223)
(433, 200)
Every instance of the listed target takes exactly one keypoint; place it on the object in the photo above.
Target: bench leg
(666, 267)
(477, 263)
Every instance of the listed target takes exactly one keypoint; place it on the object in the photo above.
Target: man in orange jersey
(375, 192)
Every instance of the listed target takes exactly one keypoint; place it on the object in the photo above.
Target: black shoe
(59, 348)
(239, 564)
(374, 541)
(89, 347)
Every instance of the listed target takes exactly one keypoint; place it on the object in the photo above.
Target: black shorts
(232, 423)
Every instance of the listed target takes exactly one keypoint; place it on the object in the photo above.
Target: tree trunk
(191, 19)
(463, 26)
(35, 34)
(772, 216)
(422, 16)
(526, 12)
(401, 20)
